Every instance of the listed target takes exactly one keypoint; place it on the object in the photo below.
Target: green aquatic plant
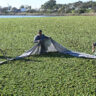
(50, 74)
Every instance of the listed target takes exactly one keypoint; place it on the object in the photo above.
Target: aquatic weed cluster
(50, 74)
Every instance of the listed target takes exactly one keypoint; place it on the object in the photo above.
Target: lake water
(14, 16)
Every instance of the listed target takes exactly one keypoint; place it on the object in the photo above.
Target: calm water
(12, 16)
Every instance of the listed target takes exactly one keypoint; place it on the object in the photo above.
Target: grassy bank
(51, 74)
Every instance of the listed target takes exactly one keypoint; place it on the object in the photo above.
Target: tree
(62, 9)
(22, 6)
(49, 5)
(94, 6)
(14, 9)
(5, 10)
(28, 8)
(0, 9)
(82, 10)
(58, 6)
(78, 4)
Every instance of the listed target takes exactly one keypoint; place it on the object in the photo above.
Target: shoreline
(47, 14)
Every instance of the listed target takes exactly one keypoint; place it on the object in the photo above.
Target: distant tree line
(77, 7)
(23, 8)
(52, 7)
